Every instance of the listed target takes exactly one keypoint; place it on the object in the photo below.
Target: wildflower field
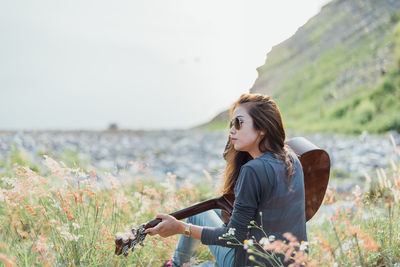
(52, 214)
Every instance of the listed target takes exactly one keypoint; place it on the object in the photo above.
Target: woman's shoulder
(253, 172)
(256, 164)
(260, 167)
(270, 161)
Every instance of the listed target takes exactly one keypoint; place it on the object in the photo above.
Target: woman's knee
(196, 219)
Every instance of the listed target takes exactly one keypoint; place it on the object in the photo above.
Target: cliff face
(344, 26)
(336, 61)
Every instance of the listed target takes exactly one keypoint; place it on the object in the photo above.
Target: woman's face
(246, 138)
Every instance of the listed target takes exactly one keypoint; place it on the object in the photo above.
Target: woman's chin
(236, 147)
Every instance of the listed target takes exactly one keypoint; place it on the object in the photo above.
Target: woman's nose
(232, 130)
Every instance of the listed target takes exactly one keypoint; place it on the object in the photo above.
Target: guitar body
(316, 168)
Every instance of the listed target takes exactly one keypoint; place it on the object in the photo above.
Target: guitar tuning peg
(125, 250)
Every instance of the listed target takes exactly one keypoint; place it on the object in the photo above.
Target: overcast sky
(147, 64)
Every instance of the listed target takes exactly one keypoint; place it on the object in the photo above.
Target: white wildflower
(303, 245)
(264, 241)
(2, 196)
(55, 168)
(396, 194)
(70, 237)
(346, 246)
(356, 191)
(231, 231)
(247, 243)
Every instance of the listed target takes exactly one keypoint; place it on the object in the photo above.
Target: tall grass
(367, 233)
(68, 218)
(62, 216)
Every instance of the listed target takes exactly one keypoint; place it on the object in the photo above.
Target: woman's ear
(261, 135)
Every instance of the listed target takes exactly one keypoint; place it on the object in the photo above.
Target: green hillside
(339, 72)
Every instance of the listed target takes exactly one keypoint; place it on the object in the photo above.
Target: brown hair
(266, 117)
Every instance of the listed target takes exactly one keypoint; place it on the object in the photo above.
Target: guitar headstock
(128, 240)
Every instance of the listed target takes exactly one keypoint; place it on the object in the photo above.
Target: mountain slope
(339, 71)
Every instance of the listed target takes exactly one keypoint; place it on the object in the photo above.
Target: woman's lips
(233, 139)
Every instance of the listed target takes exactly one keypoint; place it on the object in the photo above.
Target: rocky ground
(191, 153)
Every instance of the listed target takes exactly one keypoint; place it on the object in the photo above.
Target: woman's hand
(169, 226)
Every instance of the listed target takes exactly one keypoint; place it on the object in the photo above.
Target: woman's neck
(255, 154)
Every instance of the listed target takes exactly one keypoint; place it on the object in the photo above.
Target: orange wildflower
(65, 206)
(97, 206)
(107, 212)
(23, 234)
(369, 243)
(324, 243)
(330, 197)
(7, 261)
(30, 209)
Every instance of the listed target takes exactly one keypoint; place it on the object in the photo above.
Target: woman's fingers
(151, 231)
(155, 230)
(165, 228)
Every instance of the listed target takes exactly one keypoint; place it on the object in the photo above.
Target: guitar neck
(224, 202)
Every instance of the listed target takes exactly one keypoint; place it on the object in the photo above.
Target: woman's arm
(171, 226)
(247, 192)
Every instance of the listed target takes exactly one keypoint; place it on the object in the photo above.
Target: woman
(264, 176)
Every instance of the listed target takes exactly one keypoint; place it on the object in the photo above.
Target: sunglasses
(235, 122)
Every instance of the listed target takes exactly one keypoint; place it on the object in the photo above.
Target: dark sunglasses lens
(235, 122)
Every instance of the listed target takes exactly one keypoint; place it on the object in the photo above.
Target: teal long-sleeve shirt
(261, 187)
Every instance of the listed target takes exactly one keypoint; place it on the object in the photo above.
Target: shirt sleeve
(248, 192)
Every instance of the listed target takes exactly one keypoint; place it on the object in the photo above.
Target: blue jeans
(187, 246)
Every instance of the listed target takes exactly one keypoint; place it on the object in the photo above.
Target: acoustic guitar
(316, 168)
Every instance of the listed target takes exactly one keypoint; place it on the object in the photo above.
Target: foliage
(318, 97)
(275, 252)
(68, 218)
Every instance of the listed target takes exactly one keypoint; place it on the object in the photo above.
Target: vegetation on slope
(310, 108)
(339, 72)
